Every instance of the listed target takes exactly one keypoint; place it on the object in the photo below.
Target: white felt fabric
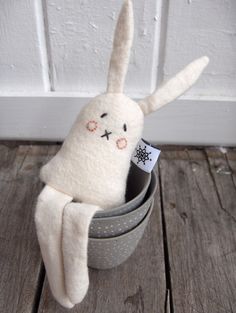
(121, 49)
(48, 219)
(76, 220)
(62, 229)
(175, 87)
(91, 168)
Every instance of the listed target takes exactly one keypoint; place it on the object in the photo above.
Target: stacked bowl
(115, 233)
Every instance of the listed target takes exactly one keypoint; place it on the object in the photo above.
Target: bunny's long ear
(121, 49)
(175, 87)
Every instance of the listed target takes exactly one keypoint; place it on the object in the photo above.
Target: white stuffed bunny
(92, 166)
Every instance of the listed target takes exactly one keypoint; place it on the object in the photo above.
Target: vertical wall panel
(20, 47)
(81, 40)
(198, 28)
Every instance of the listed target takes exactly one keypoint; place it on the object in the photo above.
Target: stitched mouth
(106, 134)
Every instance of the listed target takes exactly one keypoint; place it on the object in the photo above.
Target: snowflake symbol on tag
(142, 155)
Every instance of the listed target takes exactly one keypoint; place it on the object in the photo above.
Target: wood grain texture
(20, 54)
(81, 34)
(200, 234)
(231, 158)
(20, 259)
(137, 286)
(198, 28)
(185, 262)
(223, 175)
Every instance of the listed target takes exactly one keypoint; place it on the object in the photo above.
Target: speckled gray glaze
(105, 253)
(137, 185)
(118, 225)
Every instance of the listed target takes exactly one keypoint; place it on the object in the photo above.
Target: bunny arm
(174, 87)
(62, 230)
(48, 220)
(76, 221)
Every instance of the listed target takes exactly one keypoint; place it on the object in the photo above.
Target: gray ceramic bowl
(105, 253)
(118, 225)
(137, 185)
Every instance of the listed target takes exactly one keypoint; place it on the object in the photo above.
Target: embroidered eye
(125, 127)
(103, 115)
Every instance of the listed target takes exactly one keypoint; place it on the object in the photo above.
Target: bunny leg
(76, 220)
(48, 219)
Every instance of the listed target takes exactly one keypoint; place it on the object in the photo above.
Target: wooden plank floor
(186, 261)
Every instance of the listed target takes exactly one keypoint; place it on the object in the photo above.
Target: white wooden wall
(54, 57)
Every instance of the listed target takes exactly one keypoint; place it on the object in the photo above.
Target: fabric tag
(145, 156)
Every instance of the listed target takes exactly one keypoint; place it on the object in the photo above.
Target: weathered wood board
(231, 158)
(201, 233)
(20, 261)
(186, 261)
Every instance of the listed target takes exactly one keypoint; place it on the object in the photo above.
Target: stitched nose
(106, 134)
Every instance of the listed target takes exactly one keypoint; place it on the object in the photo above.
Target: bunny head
(93, 162)
(115, 120)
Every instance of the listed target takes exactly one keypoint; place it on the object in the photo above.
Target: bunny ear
(121, 49)
(175, 87)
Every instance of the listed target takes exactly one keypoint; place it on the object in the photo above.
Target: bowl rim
(130, 201)
(107, 218)
(146, 217)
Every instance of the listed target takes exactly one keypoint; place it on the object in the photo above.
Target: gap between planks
(196, 187)
(169, 299)
(213, 159)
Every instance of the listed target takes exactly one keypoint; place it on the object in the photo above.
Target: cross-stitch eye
(103, 115)
(125, 127)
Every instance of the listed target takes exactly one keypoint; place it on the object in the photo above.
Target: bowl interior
(137, 180)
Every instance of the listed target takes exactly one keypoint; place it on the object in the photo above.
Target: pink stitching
(95, 126)
(120, 140)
